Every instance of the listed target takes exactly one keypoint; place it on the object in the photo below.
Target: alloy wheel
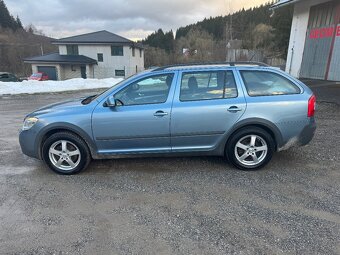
(64, 155)
(251, 150)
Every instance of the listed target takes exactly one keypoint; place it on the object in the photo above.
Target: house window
(117, 51)
(100, 57)
(120, 73)
(133, 52)
(72, 50)
(140, 52)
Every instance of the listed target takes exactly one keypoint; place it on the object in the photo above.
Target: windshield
(37, 75)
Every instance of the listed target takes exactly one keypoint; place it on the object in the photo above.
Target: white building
(95, 55)
(314, 47)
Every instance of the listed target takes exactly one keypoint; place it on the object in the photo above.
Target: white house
(314, 47)
(95, 55)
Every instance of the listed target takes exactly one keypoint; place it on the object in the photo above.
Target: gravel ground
(197, 205)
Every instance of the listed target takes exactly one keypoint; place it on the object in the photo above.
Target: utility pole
(231, 23)
(229, 29)
(41, 49)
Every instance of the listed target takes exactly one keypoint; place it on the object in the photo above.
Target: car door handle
(160, 114)
(234, 109)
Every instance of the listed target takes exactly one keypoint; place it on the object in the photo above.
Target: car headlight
(29, 122)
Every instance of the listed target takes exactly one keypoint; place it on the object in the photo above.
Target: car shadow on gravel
(159, 164)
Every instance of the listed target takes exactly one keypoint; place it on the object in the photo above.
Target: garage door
(318, 41)
(49, 70)
(322, 47)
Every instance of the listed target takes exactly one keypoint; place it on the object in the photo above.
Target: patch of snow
(31, 87)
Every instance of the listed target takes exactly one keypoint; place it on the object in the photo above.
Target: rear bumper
(307, 133)
(303, 138)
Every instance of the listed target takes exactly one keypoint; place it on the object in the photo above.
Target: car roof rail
(233, 63)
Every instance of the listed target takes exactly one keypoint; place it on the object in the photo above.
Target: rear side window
(261, 83)
(207, 85)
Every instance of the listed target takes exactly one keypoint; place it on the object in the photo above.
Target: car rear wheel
(250, 148)
(66, 153)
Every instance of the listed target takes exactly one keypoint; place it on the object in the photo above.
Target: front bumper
(27, 140)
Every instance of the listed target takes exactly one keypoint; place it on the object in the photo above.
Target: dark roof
(100, 37)
(62, 59)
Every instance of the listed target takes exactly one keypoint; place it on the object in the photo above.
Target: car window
(261, 83)
(151, 90)
(230, 90)
(207, 85)
(4, 76)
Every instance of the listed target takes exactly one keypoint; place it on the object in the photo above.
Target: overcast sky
(130, 18)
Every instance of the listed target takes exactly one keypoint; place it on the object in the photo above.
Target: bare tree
(198, 46)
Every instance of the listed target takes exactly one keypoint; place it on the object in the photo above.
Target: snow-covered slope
(31, 87)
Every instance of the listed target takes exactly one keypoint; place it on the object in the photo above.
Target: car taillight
(311, 106)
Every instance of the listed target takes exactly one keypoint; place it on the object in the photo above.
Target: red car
(39, 77)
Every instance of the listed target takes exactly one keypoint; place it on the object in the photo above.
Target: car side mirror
(110, 102)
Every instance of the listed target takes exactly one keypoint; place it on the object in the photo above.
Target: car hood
(60, 106)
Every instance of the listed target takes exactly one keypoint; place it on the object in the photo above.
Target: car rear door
(206, 106)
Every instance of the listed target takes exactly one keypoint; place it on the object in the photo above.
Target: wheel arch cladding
(50, 130)
(260, 123)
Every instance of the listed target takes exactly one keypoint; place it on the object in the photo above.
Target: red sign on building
(323, 32)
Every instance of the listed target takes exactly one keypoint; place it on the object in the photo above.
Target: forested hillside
(256, 27)
(17, 43)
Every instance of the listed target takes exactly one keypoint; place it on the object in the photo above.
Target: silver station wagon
(243, 111)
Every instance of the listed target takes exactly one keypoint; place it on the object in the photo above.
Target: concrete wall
(298, 35)
(106, 69)
(70, 72)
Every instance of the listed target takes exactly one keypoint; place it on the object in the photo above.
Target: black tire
(246, 133)
(84, 154)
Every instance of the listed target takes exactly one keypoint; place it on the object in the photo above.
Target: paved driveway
(324, 90)
(192, 205)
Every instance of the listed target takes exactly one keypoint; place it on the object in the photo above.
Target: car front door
(206, 106)
(140, 121)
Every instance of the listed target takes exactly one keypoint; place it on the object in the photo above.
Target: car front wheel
(66, 153)
(250, 148)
